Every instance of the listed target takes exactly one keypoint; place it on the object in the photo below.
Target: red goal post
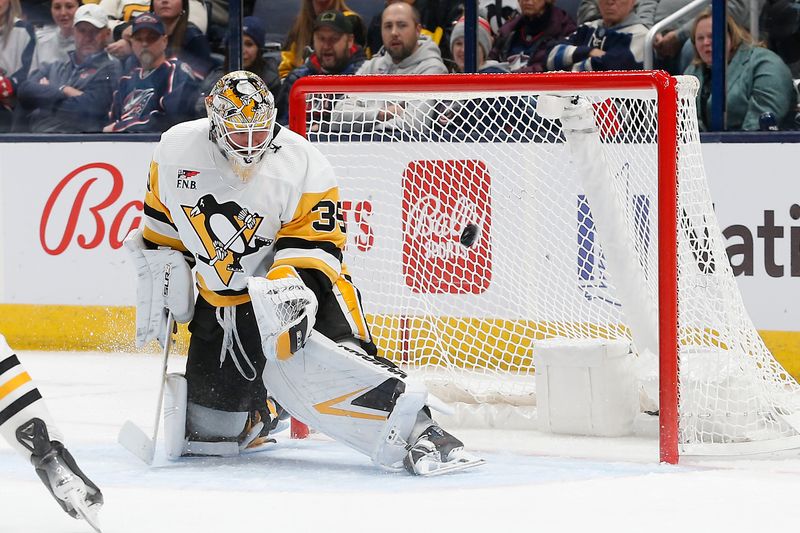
(666, 127)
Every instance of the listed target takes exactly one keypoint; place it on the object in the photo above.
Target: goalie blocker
(360, 400)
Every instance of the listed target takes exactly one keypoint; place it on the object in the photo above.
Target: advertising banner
(65, 208)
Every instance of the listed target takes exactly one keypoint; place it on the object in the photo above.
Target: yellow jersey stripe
(220, 300)
(13, 384)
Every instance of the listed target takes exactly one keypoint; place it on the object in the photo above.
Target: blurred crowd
(68, 66)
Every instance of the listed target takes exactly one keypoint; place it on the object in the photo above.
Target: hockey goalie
(277, 325)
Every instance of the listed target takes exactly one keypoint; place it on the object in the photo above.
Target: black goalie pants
(233, 382)
(230, 380)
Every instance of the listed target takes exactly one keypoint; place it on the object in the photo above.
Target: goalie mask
(241, 111)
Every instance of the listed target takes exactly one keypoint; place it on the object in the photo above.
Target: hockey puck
(469, 235)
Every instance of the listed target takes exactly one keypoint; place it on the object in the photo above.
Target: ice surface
(532, 482)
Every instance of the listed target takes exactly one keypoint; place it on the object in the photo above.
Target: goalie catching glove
(164, 283)
(286, 311)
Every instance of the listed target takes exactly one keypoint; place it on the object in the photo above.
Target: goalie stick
(131, 436)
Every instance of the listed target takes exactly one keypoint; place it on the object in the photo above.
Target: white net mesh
(470, 236)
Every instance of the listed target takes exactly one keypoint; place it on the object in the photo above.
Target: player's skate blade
(437, 452)
(69, 488)
(88, 513)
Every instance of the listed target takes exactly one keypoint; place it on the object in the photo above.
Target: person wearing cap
(300, 35)
(335, 52)
(73, 96)
(485, 66)
(157, 93)
(184, 39)
(16, 51)
(523, 41)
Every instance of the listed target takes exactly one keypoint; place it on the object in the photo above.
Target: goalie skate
(437, 452)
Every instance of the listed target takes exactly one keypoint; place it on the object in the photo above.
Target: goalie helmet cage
(477, 226)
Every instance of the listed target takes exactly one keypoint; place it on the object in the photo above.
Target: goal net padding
(477, 227)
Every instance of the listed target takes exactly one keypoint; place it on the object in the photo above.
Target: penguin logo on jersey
(227, 232)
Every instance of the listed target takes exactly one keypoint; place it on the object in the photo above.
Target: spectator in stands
(335, 52)
(301, 35)
(253, 59)
(436, 18)
(615, 42)
(458, 116)
(485, 66)
(589, 10)
(674, 50)
(17, 44)
(74, 95)
(758, 82)
(524, 41)
(405, 51)
(158, 93)
(53, 43)
(186, 41)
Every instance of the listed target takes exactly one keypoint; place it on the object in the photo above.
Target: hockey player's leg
(26, 424)
(56, 467)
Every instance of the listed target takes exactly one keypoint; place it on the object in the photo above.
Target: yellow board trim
(13, 384)
(326, 408)
(112, 329)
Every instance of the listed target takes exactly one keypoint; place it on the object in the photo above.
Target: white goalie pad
(343, 393)
(164, 283)
(349, 396)
(175, 393)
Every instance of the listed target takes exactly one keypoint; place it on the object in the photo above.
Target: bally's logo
(447, 226)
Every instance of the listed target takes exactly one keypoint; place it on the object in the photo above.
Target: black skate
(437, 452)
(74, 492)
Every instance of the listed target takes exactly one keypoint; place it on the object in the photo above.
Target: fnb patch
(185, 180)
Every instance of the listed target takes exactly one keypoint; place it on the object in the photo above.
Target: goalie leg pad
(213, 432)
(348, 395)
(175, 416)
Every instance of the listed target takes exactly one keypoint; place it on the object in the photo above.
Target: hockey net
(472, 234)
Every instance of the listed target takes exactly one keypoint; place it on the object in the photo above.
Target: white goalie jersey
(285, 214)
